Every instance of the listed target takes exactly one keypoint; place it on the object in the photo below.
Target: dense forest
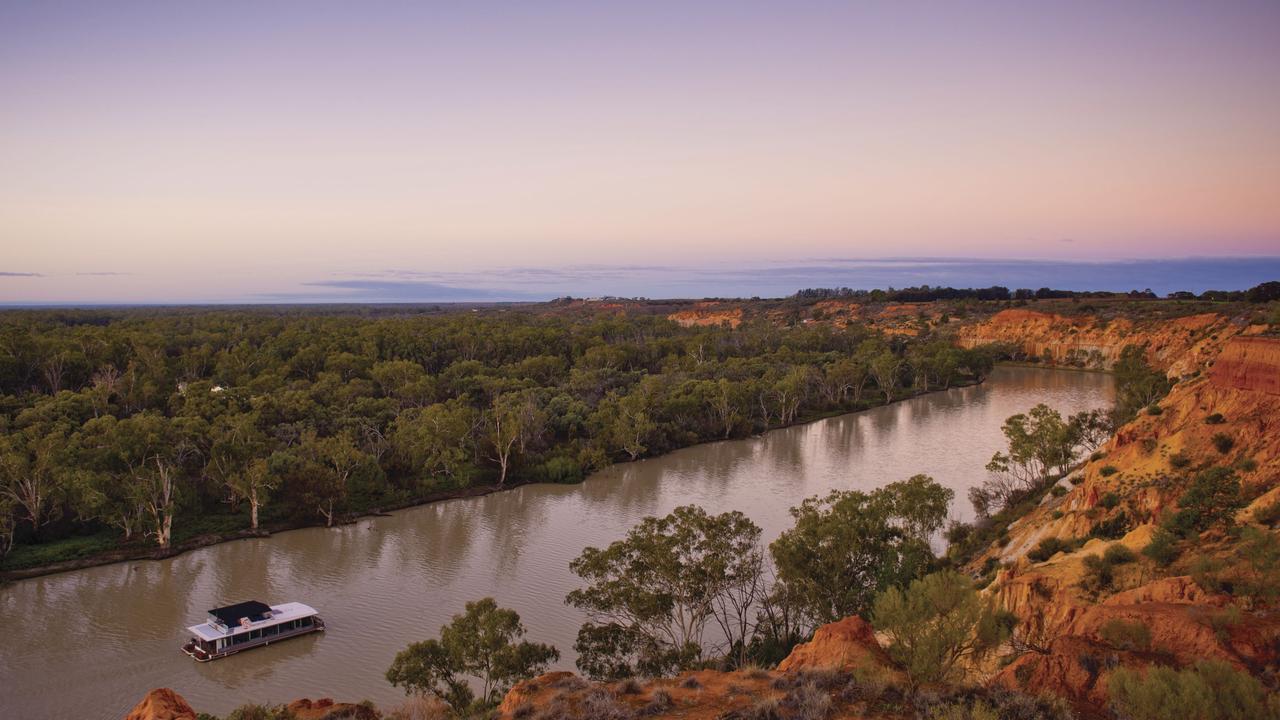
(146, 428)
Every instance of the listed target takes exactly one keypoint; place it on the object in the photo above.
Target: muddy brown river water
(91, 643)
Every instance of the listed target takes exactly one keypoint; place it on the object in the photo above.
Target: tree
(627, 422)
(504, 428)
(885, 368)
(30, 474)
(1137, 384)
(336, 458)
(850, 545)
(1039, 442)
(6, 524)
(1212, 499)
(935, 624)
(846, 377)
(435, 439)
(236, 461)
(1090, 429)
(139, 471)
(726, 403)
(485, 643)
(651, 596)
(253, 483)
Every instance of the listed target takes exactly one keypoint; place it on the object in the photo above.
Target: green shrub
(1109, 500)
(1108, 470)
(1206, 572)
(559, 469)
(936, 624)
(1162, 547)
(1212, 498)
(1179, 460)
(1126, 635)
(1098, 575)
(1214, 419)
(1154, 410)
(1222, 442)
(1112, 528)
(1058, 491)
(1057, 515)
(1118, 554)
(1221, 621)
(1047, 548)
(1212, 690)
(1268, 514)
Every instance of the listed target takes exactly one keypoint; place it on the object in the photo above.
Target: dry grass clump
(659, 701)
(630, 686)
(420, 708)
(808, 702)
(600, 704)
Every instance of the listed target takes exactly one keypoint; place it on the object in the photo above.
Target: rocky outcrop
(708, 314)
(849, 644)
(162, 704)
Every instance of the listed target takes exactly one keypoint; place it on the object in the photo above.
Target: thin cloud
(19, 274)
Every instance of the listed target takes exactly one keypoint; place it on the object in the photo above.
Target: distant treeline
(151, 426)
(1266, 292)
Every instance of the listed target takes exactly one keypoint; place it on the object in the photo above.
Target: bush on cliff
(937, 623)
(1212, 499)
(1212, 690)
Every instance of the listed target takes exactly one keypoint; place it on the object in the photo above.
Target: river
(91, 643)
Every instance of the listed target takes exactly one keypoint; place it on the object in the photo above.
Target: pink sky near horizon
(239, 149)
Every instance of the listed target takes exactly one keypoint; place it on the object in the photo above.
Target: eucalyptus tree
(484, 643)
(651, 597)
(850, 545)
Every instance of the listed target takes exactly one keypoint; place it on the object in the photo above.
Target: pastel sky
(168, 151)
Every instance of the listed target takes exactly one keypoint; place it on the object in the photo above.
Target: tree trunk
(253, 508)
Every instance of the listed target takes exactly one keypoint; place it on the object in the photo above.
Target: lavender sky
(184, 152)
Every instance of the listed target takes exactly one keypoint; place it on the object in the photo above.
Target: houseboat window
(306, 621)
(271, 630)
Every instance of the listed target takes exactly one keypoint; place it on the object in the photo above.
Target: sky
(312, 151)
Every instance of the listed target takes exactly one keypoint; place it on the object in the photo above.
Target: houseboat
(247, 625)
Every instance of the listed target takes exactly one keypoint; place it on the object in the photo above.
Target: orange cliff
(1144, 470)
(1179, 345)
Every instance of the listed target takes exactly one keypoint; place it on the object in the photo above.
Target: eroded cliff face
(1178, 345)
(1142, 473)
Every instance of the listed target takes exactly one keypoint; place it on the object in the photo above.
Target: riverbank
(138, 552)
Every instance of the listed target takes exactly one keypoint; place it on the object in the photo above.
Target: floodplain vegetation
(141, 430)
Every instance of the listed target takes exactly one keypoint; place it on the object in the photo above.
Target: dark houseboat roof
(231, 614)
